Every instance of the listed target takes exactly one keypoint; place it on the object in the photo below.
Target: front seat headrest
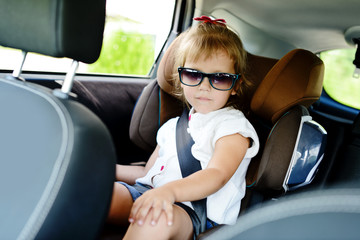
(72, 29)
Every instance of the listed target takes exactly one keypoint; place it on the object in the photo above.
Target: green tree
(125, 53)
(339, 82)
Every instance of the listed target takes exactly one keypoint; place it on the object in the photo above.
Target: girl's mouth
(203, 98)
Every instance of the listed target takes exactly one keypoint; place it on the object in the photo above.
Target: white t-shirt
(205, 129)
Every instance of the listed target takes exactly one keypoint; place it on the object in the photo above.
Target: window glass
(339, 82)
(134, 34)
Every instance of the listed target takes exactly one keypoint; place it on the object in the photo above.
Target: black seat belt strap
(188, 163)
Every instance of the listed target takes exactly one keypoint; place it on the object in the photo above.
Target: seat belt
(188, 163)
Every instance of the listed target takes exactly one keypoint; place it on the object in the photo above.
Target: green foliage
(125, 53)
(338, 80)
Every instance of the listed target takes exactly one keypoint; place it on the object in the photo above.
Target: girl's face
(204, 98)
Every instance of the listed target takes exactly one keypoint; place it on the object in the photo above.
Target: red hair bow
(206, 19)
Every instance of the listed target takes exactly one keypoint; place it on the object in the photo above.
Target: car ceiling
(273, 27)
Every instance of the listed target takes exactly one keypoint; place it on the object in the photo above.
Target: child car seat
(57, 161)
(282, 89)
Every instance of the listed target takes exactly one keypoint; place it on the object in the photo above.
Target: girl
(210, 80)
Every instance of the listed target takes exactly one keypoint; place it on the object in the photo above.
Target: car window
(133, 38)
(339, 82)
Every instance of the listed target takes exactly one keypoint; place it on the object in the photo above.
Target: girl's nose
(205, 84)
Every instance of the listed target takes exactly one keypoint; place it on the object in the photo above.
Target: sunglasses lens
(222, 81)
(190, 77)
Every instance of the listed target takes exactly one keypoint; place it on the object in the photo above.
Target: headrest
(58, 28)
(294, 79)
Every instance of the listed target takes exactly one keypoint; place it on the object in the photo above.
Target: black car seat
(57, 160)
(283, 89)
(347, 170)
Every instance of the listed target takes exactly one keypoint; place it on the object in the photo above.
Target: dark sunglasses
(219, 81)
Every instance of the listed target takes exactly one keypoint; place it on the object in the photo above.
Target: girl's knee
(180, 229)
(149, 230)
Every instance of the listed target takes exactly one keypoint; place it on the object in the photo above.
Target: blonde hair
(205, 39)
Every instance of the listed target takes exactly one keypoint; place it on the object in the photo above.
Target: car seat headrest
(61, 28)
(296, 79)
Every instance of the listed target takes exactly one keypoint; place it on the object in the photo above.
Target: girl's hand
(151, 204)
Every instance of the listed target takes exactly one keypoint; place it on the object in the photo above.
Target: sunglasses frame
(234, 78)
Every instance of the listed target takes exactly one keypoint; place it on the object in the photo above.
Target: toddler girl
(156, 199)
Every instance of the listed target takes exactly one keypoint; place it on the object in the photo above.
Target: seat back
(57, 160)
(322, 214)
(282, 89)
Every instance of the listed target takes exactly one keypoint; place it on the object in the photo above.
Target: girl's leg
(182, 227)
(120, 207)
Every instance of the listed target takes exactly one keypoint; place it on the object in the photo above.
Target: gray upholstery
(57, 160)
(327, 214)
(56, 165)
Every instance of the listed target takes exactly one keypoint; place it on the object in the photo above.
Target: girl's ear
(236, 87)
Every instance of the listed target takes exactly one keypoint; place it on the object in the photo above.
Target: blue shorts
(138, 189)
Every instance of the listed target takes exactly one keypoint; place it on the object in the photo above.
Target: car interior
(63, 133)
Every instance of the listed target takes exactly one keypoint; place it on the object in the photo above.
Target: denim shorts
(138, 189)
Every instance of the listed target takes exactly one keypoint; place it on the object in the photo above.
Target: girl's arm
(128, 173)
(228, 154)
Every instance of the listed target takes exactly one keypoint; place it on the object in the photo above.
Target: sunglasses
(219, 81)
